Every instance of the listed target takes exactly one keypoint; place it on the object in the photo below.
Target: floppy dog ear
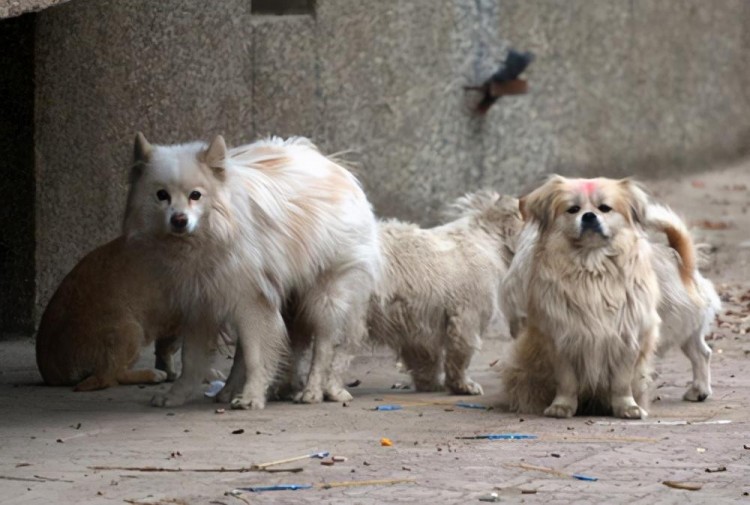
(637, 200)
(215, 156)
(142, 151)
(539, 205)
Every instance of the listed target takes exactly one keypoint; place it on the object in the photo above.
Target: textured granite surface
(638, 87)
(11, 8)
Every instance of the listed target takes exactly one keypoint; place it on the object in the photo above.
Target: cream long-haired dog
(591, 297)
(234, 231)
(688, 306)
(440, 289)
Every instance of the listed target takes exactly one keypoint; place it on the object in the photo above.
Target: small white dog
(438, 293)
(589, 297)
(440, 289)
(234, 231)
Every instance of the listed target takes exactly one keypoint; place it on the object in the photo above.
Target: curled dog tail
(662, 218)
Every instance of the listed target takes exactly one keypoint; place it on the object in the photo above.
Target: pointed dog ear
(539, 205)
(142, 149)
(215, 155)
(142, 152)
(637, 199)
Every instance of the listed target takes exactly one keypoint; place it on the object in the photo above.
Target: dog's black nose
(179, 221)
(589, 217)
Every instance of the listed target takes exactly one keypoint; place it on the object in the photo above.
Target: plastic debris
(339, 459)
(388, 407)
(464, 405)
(213, 388)
(500, 436)
(689, 486)
(275, 487)
(386, 442)
(318, 455)
(492, 497)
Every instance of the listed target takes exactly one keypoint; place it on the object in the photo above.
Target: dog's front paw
(309, 396)
(166, 400)
(466, 388)
(240, 403)
(338, 394)
(559, 410)
(160, 376)
(696, 394)
(630, 412)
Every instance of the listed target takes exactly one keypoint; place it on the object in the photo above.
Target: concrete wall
(644, 87)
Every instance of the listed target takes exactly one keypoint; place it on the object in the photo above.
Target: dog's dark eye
(162, 195)
(195, 195)
(605, 208)
(574, 209)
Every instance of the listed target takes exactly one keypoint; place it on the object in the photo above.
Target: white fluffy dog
(234, 231)
(590, 301)
(440, 289)
(688, 304)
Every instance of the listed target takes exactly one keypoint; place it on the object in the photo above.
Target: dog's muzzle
(590, 222)
(179, 223)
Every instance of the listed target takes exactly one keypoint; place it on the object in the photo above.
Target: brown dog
(102, 313)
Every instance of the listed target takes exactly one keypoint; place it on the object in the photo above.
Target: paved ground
(50, 438)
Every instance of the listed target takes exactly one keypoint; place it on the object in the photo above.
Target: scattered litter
(222, 469)
(746, 446)
(327, 462)
(213, 388)
(60, 441)
(663, 423)
(509, 491)
(558, 473)
(500, 436)
(339, 459)
(19, 465)
(275, 487)
(690, 486)
(464, 405)
(716, 470)
(386, 442)
(354, 383)
(492, 497)
(219, 411)
(555, 455)
(324, 485)
(388, 407)
(494, 362)
(700, 450)
(449, 410)
(406, 468)
(7, 477)
(317, 455)
(698, 184)
(239, 431)
(399, 385)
